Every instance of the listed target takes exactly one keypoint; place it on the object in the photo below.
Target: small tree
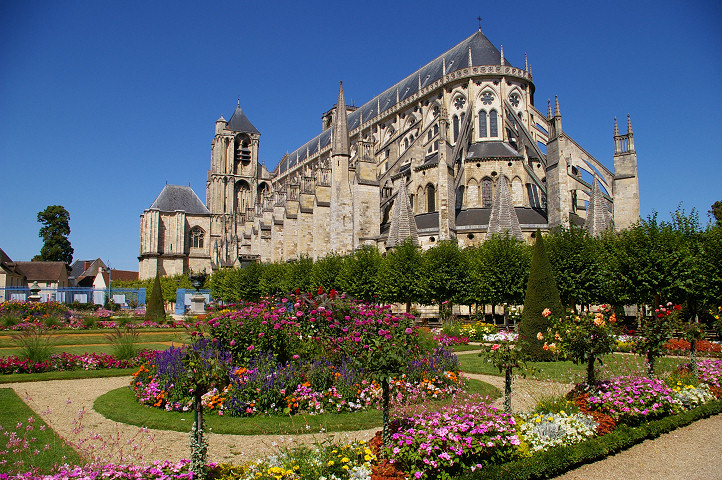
(54, 232)
(506, 356)
(583, 339)
(655, 332)
(398, 276)
(541, 294)
(154, 309)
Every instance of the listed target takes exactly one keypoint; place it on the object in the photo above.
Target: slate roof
(179, 197)
(492, 150)
(403, 224)
(480, 216)
(503, 216)
(483, 52)
(43, 271)
(240, 123)
(7, 264)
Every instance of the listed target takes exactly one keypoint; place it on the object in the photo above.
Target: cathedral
(456, 150)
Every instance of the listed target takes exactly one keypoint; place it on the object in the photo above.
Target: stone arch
(486, 192)
(242, 196)
(241, 152)
(517, 192)
(430, 198)
(196, 237)
(472, 193)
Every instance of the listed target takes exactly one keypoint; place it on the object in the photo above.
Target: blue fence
(125, 297)
(183, 299)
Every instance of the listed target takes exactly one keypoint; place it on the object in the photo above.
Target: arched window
(197, 237)
(486, 194)
(242, 152)
(430, 198)
(455, 121)
(482, 124)
(493, 126)
(243, 196)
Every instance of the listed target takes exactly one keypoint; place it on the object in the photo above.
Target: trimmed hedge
(559, 460)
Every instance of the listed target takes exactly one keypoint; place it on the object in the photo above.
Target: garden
(316, 360)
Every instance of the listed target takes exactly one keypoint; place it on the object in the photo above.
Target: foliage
(655, 332)
(358, 274)
(716, 212)
(578, 262)
(54, 232)
(583, 339)
(325, 272)
(154, 309)
(443, 273)
(124, 342)
(541, 294)
(398, 275)
(36, 343)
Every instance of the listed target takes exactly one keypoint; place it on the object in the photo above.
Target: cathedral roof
(240, 123)
(475, 50)
(179, 197)
(491, 150)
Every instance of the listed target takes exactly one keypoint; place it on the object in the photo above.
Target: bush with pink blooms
(68, 361)
(634, 400)
(710, 372)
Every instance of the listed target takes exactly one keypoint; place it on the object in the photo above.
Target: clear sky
(103, 102)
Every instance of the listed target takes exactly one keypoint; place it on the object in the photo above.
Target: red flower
(320, 290)
(678, 307)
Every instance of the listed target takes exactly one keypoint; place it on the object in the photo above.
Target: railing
(125, 297)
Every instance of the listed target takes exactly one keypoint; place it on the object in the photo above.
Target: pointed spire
(530, 74)
(629, 125)
(340, 127)
(616, 127)
(502, 55)
(557, 112)
(598, 217)
(403, 222)
(549, 109)
(503, 216)
(526, 62)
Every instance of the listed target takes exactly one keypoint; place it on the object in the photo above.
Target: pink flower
(546, 312)
(233, 342)
(408, 331)
(260, 335)
(495, 346)
(250, 348)
(296, 357)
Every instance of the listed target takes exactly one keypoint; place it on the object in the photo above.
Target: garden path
(50, 400)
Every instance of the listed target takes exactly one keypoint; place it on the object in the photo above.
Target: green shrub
(154, 309)
(541, 293)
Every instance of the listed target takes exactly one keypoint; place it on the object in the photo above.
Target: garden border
(559, 460)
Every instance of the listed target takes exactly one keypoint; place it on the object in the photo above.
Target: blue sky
(102, 103)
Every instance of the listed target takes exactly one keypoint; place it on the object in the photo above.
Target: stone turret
(403, 223)
(503, 216)
(626, 182)
(598, 218)
(341, 208)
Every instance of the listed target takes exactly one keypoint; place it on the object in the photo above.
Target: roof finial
(629, 125)
(502, 55)
(479, 18)
(557, 112)
(549, 108)
(526, 62)
(616, 127)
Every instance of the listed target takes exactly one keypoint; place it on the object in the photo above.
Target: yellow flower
(331, 463)
(345, 460)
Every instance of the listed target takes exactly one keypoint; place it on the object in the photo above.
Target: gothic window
(459, 102)
(197, 237)
(487, 98)
(493, 126)
(406, 143)
(436, 110)
(430, 198)
(429, 136)
(455, 121)
(482, 124)
(436, 129)
(486, 194)
(243, 196)
(514, 99)
(242, 152)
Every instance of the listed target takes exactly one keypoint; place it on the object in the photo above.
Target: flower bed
(710, 372)
(545, 430)
(631, 400)
(68, 361)
(681, 346)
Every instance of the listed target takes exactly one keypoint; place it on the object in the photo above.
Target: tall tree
(444, 273)
(359, 271)
(541, 293)
(717, 211)
(398, 276)
(54, 232)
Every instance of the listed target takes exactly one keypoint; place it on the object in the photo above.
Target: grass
(79, 349)
(83, 337)
(13, 411)
(120, 405)
(465, 348)
(66, 375)
(568, 372)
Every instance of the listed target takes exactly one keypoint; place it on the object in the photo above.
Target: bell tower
(626, 182)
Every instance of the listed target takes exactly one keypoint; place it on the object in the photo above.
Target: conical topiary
(541, 293)
(154, 306)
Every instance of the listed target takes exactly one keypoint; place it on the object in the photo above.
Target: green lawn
(120, 405)
(74, 337)
(568, 372)
(13, 411)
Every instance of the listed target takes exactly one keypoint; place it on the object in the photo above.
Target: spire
(240, 123)
(526, 62)
(629, 125)
(549, 109)
(503, 216)
(616, 127)
(598, 217)
(557, 112)
(403, 223)
(502, 55)
(340, 131)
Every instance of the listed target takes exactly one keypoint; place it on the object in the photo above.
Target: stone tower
(626, 182)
